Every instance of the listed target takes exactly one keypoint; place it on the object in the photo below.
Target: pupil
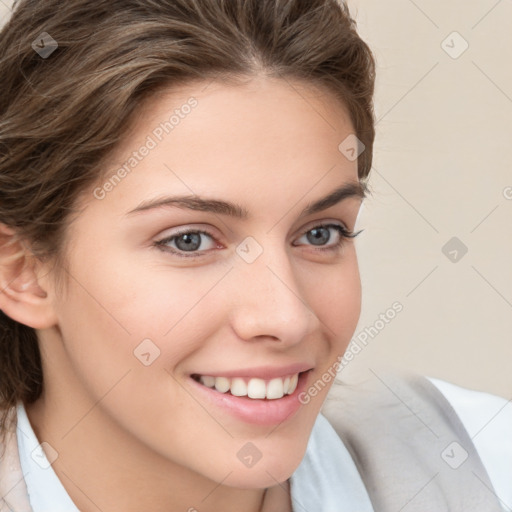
(317, 236)
(191, 241)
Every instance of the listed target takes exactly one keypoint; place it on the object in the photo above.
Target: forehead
(212, 138)
(261, 112)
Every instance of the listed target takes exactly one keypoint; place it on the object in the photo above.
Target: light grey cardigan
(410, 447)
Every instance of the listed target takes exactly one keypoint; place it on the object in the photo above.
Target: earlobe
(22, 297)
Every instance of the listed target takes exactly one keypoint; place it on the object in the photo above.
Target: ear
(22, 297)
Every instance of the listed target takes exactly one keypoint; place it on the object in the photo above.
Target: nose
(268, 302)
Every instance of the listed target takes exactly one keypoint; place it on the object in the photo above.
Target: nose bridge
(268, 301)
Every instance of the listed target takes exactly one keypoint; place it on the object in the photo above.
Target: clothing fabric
(330, 477)
(411, 448)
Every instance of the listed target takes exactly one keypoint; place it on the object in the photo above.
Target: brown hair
(62, 114)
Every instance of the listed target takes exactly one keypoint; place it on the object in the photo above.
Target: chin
(256, 480)
(276, 469)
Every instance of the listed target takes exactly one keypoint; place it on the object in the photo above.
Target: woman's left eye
(189, 241)
(321, 234)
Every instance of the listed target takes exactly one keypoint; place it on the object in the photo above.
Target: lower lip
(256, 411)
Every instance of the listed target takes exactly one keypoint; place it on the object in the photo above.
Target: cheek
(334, 292)
(123, 335)
(338, 305)
(141, 297)
(119, 317)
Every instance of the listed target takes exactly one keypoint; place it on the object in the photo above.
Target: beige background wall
(442, 166)
(442, 161)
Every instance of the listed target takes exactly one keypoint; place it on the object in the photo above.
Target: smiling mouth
(255, 388)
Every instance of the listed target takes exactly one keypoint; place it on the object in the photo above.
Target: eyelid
(196, 229)
(317, 223)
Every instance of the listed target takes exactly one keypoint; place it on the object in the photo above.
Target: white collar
(326, 479)
(45, 490)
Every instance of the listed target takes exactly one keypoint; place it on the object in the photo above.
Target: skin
(131, 437)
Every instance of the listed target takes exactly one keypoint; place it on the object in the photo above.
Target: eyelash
(344, 233)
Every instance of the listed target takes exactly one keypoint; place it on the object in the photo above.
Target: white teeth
(293, 383)
(256, 388)
(222, 384)
(275, 389)
(238, 387)
(208, 381)
(286, 384)
(253, 388)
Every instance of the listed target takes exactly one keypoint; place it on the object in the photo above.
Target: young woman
(179, 188)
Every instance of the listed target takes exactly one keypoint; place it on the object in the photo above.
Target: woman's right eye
(184, 241)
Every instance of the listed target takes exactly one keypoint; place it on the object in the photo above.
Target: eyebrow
(347, 190)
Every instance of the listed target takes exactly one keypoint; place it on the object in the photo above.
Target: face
(165, 299)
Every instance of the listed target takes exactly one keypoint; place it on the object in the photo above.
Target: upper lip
(263, 372)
